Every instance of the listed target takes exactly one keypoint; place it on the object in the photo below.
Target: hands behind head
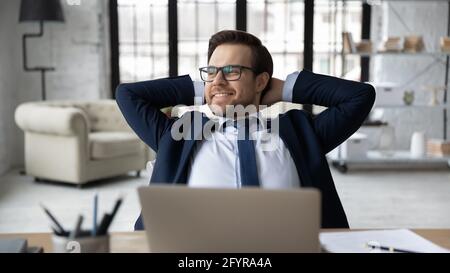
(274, 94)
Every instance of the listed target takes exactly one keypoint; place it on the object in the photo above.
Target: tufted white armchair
(79, 141)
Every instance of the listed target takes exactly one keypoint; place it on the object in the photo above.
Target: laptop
(193, 220)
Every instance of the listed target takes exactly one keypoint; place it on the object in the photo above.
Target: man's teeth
(222, 95)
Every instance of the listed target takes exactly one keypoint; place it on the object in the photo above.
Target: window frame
(241, 24)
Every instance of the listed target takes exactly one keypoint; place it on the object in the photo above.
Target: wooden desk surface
(135, 242)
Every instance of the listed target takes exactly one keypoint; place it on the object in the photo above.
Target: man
(239, 72)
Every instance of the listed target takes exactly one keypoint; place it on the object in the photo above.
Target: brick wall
(78, 49)
(8, 81)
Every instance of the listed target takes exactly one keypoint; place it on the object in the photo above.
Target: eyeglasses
(229, 72)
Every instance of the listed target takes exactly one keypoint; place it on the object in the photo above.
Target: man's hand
(274, 94)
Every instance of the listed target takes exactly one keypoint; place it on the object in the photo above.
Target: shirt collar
(257, 120)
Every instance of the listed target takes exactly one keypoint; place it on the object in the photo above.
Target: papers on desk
(356, 241)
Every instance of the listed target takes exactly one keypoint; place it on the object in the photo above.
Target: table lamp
(39, 11)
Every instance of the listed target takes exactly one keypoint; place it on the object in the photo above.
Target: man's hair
(261, 58)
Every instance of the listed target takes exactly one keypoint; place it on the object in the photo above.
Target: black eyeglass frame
(203, 69)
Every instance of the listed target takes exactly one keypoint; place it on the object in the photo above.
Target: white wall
(426, 18)
(78, 49)
(8, 81)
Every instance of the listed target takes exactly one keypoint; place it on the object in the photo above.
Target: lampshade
(41, 10)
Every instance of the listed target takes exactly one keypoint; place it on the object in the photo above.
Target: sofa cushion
(113, 144)
(105, 116)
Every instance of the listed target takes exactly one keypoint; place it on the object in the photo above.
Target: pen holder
(81, 244)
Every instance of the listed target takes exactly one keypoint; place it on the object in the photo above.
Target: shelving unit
(393, 160)
(400, 159)
(400, 54)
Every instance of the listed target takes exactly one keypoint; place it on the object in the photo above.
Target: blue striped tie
(247, 160)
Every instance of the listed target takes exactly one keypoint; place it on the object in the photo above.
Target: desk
(135, 242)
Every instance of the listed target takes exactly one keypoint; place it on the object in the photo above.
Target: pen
(56, 231)
(94, 224)
(77, 228)
(375, 245)
(113, 213)
(107, 218)
(116, 207)
(58, 225)
(102, 227)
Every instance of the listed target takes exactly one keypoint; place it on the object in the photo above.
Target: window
(143, 39)
(343, 16)
(279, 24)
(197, 21)
(143, 28)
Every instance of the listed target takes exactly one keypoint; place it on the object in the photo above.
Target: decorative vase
(408, 97)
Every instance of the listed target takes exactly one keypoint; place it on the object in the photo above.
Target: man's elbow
(121, 91)
(370, 94)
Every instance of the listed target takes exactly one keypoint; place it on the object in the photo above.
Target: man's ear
(261, 82)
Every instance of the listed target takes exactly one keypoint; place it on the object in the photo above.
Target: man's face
(244, 91)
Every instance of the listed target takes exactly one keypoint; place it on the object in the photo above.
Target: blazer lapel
(195, 133)
(292, 142)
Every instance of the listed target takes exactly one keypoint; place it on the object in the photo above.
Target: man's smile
(221, 94)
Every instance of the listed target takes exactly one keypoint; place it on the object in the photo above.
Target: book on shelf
(438, 147)
(350, 47)
(445, 44)
(348, 43)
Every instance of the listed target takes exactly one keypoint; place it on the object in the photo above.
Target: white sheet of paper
(356, 241)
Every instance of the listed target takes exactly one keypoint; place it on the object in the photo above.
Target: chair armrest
(66, 121)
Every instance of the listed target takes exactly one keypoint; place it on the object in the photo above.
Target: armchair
(79, 141)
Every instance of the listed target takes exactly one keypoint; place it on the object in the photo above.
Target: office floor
(378, 199)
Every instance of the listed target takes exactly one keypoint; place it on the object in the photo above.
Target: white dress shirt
(215, 161)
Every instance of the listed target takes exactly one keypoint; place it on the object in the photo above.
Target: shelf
(395, 156)
(402, 156)
(429, 54)
(381, 1)
(402, 106)
(393, 160)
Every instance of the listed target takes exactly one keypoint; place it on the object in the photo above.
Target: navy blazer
(307, 138)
